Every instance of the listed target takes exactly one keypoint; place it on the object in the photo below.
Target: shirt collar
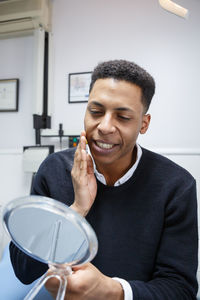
(126, 176)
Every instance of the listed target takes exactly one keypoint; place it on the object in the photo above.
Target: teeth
(104, 145)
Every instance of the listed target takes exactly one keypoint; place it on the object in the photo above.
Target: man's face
(113, 120)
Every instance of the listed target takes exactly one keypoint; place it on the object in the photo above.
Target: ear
(145, 123)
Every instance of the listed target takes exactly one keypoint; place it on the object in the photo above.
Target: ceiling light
(174, 8)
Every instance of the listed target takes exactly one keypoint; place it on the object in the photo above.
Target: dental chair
(10, 287)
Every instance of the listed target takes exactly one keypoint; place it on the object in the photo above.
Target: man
(141, 205)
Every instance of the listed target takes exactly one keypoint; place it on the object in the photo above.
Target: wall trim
(164, 151)
(11, 151)
(177, 151)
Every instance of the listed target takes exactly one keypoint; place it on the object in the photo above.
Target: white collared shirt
(126, 176)
(128, 294)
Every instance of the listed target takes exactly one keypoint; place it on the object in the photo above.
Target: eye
(124, 118)
(95, 111)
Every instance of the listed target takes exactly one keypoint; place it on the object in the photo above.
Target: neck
(115, 171)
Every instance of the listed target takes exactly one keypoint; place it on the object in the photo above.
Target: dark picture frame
(9, 95)
(78, 87)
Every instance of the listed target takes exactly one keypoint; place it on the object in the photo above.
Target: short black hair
(128, 71)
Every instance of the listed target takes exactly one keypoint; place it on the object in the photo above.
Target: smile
(104, 145)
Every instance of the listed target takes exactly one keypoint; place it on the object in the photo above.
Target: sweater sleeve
(174, 275)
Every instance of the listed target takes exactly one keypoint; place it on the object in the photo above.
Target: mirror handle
(60, 274)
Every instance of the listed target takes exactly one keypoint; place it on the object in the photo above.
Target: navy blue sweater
(146, 227)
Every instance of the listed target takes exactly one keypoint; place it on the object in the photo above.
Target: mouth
(104, 145)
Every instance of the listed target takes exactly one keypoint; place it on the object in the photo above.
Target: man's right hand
(83, 178)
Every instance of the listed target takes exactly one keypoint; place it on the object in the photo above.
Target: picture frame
(9, 94)
(78, 87)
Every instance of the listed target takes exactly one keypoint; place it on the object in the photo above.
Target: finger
(90, 166)
(77, 156)
(83, 142)
(76, 165)
(83, 165)
(83, 133)
(80, 267)
(81, 145)
(80, 162)
(83, 155)
(52, 285)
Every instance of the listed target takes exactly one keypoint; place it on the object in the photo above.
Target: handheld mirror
(50, 232)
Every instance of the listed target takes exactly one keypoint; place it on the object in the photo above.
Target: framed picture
(9, 90)
(78, 89)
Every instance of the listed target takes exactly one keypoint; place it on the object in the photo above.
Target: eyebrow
(95, 103)
(117, 108)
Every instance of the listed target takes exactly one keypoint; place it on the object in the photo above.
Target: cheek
(86, 121)
(130, 136)
(89, 125)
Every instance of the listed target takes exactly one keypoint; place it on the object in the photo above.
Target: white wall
(86, 32)
(16, 61)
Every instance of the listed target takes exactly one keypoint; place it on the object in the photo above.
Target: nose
(106, 125)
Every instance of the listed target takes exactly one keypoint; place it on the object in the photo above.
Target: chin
(103, 160)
